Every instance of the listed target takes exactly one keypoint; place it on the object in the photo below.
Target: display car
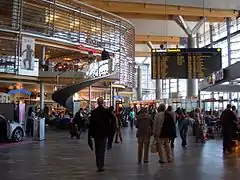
(10, 130)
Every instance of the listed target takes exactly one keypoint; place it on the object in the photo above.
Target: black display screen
(185, 63)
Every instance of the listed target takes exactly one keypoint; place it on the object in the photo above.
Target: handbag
(154, 146)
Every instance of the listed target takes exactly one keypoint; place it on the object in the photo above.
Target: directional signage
(185, 63)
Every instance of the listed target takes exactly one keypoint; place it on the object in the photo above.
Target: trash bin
(39, 129)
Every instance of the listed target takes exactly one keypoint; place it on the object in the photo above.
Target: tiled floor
(61, 158)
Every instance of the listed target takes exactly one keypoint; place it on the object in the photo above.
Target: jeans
(183, 134)
(100, 146)
(131, 123)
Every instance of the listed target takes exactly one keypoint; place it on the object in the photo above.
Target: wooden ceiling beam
(168, 18)
(143, 39)
(160, 9)
(142, 54)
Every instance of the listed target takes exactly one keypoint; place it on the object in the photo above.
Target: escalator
(64, 96)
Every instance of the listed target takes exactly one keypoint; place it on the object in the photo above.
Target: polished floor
(61, 158)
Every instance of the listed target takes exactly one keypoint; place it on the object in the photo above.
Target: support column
(229, 41)
(89, 98)
(191, 83)
(178, 94)
(158, 89)
(199, 92)
(169, 89)
(43, 53)
(228, 20)
(211, 45)
(139, 81)
(41, 96)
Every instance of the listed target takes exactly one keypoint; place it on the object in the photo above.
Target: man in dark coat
(229, 124)
(99, 129)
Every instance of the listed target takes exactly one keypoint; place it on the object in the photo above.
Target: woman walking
(164, 130)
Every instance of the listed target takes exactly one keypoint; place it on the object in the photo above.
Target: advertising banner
(28, 65)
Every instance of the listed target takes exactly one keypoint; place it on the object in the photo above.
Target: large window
(235, 49)
(223, 46)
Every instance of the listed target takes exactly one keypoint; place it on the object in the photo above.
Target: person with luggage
(229, 125)
(73, 129)
(79, 121)
(199, 125)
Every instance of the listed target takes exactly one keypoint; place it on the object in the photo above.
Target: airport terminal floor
(62, 158)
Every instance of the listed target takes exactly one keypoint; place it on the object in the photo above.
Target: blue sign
(117, 97)
(19, 91)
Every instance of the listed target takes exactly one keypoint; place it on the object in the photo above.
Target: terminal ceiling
(155, 17)
(218, 4)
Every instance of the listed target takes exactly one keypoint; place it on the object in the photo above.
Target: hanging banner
(28, 65)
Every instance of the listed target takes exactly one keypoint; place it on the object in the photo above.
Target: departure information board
(184, 63)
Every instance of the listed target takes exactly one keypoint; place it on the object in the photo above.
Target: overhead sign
(216, 77)
(185, 63)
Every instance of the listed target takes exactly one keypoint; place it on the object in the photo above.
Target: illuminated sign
(89, 49)
(185, 63)
(216, 77)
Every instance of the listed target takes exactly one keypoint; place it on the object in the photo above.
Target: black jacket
(168, 127)
(99, 125)
(228, 121)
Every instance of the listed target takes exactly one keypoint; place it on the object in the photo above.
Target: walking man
(99, 130)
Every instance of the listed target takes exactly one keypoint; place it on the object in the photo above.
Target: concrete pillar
(169, 89)
(178, 94)
(191, 83)
(158, 89)
(228, 20)
(89, 98)
(211, 45)
(43, 53)
(139, 83)
(41, 96)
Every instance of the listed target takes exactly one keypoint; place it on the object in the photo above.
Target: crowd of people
(156, 129)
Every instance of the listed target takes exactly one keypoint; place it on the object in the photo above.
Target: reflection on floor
(61, 158)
